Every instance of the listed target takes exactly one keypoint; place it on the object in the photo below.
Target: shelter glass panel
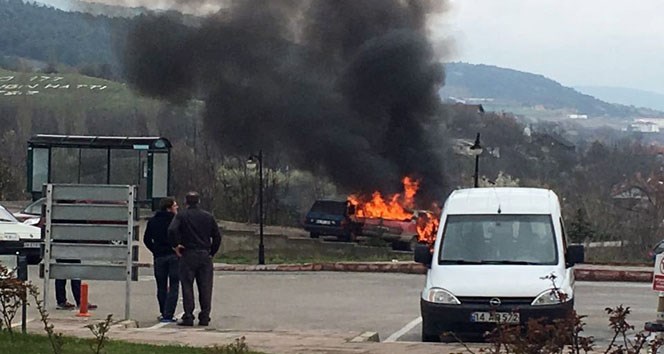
(64, 165)
(127, 168)
(159, 175)
(39, 168)
(94, 166)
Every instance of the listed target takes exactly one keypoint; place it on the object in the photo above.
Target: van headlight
(551, 297)
(442, 296)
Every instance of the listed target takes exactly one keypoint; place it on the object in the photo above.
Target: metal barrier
(89, 234)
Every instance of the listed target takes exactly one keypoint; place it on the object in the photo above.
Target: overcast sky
(575, 42)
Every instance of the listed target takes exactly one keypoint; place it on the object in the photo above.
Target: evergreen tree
(580, 229)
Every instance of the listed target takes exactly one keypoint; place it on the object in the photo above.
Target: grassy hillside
(501, 89)
(49, 90)
(32, 103)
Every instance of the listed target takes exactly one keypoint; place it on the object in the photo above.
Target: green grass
(280, 258)
(73, 93)
(38, 344)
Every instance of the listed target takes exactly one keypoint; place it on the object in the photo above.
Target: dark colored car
(335, 218)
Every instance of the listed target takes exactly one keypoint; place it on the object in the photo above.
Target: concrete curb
(613, 275)
(366, 337)
(370, 267)
(581, 272)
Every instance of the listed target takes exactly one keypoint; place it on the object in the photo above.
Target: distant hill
(68, 32)
(501, 89)
(53, 36)
(94, 8)
(626, 96)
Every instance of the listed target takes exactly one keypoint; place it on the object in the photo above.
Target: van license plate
(31, 244)
(497, 317)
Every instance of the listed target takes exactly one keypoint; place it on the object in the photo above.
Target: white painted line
(396, 335)
(14, 325)
(163, 324)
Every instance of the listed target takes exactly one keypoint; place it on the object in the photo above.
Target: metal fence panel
(105, 192)
(106, 253)
(89, 212)
(88, 232)
(91, 271)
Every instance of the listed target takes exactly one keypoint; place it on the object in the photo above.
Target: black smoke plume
(347, 88)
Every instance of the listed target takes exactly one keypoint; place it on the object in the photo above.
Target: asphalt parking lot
(381, 302)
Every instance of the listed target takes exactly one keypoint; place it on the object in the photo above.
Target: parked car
(16, 236)
(31, 214)
(331, 217)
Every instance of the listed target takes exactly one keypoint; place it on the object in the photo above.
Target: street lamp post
(251, 163)
(476, 150)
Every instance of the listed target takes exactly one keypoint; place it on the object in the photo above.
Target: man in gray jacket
(195, 236)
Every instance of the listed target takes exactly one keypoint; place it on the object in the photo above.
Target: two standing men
(193, 236)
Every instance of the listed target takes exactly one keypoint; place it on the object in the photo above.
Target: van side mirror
(423, 255)
(575, 255)
(351, 209)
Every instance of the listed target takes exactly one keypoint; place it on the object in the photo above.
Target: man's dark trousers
(196, 265)
(166, 273)
(61, 291)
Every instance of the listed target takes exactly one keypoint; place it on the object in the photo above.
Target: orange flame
(427, 226)
(399, 206)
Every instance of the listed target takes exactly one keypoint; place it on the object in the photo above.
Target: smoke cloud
(344, 88)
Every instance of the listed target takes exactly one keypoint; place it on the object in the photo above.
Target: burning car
(402, 234)
(395, 219)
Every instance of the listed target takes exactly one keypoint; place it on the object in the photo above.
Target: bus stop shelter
(140, 161)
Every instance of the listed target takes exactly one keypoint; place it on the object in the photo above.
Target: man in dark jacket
(195, 235)
(166, 264)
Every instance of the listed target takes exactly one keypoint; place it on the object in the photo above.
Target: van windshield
(498, 239)
(329, 207)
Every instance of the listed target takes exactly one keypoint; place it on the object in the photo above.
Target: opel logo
(495, 302)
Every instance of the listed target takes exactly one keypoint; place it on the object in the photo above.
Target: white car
(18, 237)
(31, 214)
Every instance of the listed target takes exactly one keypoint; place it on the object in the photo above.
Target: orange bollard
(83, 311)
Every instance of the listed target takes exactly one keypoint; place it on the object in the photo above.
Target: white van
(492, 261)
